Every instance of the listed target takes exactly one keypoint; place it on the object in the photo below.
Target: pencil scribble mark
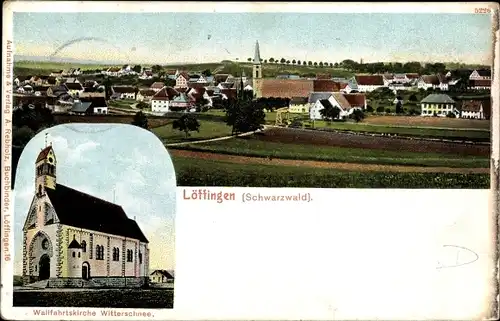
(463, 256)
(69, 43)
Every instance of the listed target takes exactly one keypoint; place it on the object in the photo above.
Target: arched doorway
(85, 270)
(44, 267)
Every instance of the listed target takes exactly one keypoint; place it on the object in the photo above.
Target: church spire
(256, 59)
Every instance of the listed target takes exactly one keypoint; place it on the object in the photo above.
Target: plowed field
(314, 137)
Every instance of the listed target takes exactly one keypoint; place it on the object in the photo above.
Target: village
(83, 92)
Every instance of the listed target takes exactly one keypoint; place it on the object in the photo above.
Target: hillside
(234, 68)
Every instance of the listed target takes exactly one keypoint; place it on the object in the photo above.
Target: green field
(258, 148)
(203, 172)
(109, 298)
(208, 130)
(122, 103)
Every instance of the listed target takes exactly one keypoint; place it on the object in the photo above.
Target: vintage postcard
(287, 160)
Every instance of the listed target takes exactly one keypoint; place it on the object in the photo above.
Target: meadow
(206, 172)
(109, 298)
(208, 130)
(254, 147)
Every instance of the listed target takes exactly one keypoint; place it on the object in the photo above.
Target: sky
(168, 37)
(113, 162)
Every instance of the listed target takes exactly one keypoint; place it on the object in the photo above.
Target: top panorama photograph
(389, 100)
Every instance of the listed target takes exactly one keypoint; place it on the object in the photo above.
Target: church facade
(73, 239)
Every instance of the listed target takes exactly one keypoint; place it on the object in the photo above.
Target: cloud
(72, 155)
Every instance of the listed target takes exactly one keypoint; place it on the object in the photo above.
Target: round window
(45, 244)
(51, 159)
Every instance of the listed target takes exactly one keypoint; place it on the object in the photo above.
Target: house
(36, 81)
(437, 81)
(146, 74)
(40, 90)
(98, 104)
(198, 95)
(161, 276)
(81, 108)
(56, 91)
(182, 80)
(437, 105)
(481, 74)
(160, 102)
(181, 103)
(157, 86)
(75, 89)
(356, 100)
(336, 100)
(299, 105)
(324, 85)
(367, 83)
(479, 84)
(145, 95)
(476, 109)
(228, 93)
(112, 71)
(70, 237)
(283, 88)
(57, 74)
(218, 78)
(71, 80)
(315, 96)
(171, 74)
(124, 92)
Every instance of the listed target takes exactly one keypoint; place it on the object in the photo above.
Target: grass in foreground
(115, 298)
(258, 148)
(208, 130)
(201, 172)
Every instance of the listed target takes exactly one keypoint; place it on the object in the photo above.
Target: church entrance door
(85, 271)
(44, 267)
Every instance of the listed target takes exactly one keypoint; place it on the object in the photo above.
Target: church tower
(45, 170)
(257, 64)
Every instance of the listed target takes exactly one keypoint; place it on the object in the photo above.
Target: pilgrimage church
(72, 239)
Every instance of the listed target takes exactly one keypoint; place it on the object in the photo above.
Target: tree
(142, 105)
(310, 63)
(412, 97)
(271, 60)
(137, 68)
(357, 115)
(299, 62)
(265, 61)
(21, 136)
(187, 123)
(206, 73)
(330, 112)
(380, 109)
(245, 115)
(399, 107)
(140, 120)
(294, 62)
(282, 60)
(249, 59)
(336, 65)
(156, 68)
(387, 110)
(315, 64)
(321, 64)
(331, 65)
(288, 62)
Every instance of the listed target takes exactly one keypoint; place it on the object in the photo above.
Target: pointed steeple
(256, 59)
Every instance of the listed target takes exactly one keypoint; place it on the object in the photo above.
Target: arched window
(140, 257)
(97, 252)
(73, 253)
(79, 254)
(84, 246)
(116, 254)
(102, 252)
(130, 255)
(39, 189)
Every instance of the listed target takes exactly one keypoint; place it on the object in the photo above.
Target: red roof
(412, 76)
(229, 92)
(324, 85)
(157, 85)
(43, 154)
(323, 76)
(356, 100)
(480, 83)
(196, 93)
(370, 80)
(166, 93)
(286, 88)
(185, 75)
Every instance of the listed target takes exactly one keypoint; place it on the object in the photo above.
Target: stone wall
(98, 282)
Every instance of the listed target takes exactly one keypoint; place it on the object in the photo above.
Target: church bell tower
(45, 165)
(257, 64)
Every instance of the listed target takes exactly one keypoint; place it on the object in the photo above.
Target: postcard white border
(304, 7)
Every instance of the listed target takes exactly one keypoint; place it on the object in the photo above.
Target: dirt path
(320, 164)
